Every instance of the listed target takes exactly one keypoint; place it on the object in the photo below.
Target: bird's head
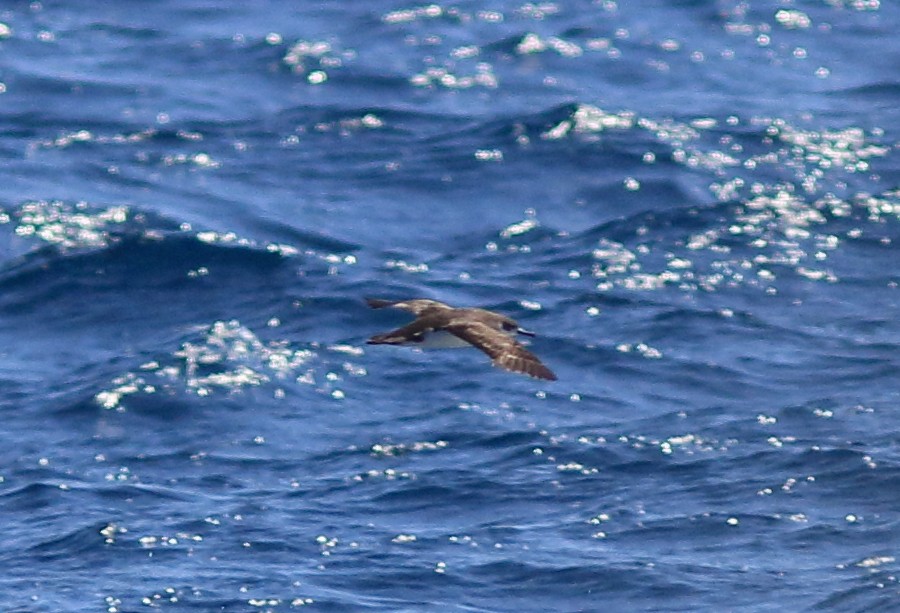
(512, 328)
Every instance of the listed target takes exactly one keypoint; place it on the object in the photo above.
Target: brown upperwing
(505, 351)
(416, 307)
(407, 333)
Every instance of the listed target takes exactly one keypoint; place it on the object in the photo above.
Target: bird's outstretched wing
(410, 333)
(505, 351)
(417, 307)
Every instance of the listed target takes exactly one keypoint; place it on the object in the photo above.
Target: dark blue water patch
(31, 497)
(149, 258)
(80, 544)
(122, 279)
(584, 584)
(879, 94)
(866, 596)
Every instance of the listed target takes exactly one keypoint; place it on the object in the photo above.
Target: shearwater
(440, 326)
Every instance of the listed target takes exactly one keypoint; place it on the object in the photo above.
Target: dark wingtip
(384, 339)
(529, 368)
(378, 303)
(546, 374)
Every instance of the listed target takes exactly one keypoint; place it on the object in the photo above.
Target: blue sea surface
(696, 206)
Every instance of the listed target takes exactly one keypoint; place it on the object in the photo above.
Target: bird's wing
(417, 307)
(505, 351)
(411, 332)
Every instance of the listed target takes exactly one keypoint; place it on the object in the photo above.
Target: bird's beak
(525, 332)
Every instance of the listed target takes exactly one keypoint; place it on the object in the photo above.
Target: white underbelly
(442, 340)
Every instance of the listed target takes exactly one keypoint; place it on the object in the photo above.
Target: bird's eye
(508, 327)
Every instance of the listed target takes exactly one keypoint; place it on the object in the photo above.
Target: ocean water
(696, 205)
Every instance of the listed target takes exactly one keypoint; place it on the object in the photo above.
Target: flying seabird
(440, 326)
